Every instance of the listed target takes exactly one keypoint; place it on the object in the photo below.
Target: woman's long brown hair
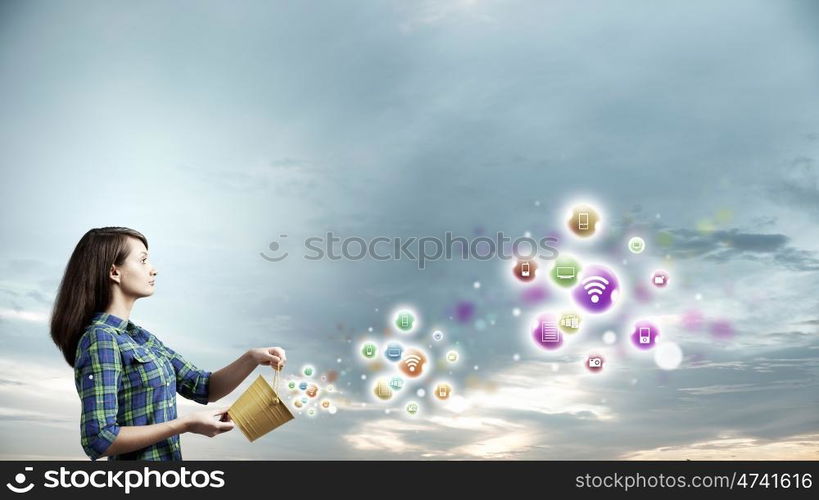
(86, 285)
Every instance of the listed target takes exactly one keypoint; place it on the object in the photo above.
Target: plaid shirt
(126, 376)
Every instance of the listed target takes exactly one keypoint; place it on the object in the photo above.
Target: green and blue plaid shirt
(126, 376)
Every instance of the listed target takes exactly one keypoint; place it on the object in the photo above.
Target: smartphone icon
(583, 221)
(524, 269)
(645, 335)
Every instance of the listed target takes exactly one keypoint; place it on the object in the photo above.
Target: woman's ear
(114, 273)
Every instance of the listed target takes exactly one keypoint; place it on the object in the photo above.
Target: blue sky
(213, 129)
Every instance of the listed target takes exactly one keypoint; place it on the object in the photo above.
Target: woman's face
(136, 275)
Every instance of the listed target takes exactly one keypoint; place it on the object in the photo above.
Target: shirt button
(91, 377)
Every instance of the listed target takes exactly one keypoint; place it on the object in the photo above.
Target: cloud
(725, 245)
(32, 316)
(799, 184)
(799, 447)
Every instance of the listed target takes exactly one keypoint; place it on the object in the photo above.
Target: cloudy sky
(215, 128)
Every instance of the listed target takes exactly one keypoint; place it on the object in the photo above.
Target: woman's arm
(223, 382)
(136, 437)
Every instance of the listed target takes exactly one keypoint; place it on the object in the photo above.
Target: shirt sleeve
(191, 382)
(97, 376)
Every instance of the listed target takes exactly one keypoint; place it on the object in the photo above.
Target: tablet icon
(525, 270)
(583, 221)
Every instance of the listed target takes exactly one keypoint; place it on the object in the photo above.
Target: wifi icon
(595, 286)
(597, 290)
(412, 364)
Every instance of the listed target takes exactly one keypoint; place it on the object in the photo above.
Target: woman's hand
(269, 356)
(206, 423)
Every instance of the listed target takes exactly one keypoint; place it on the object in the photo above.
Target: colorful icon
(659, 279)
(413, 363)
(546, 333)
(565, 270)
(412, 408)
(393, 352)
(437, 335)
(569, 322)
(297, 403)
(396, 383)
(308, 371)
(636, 245)
(291, 385)
(303, 386)
(644, 335)
(312, 391)
(405, 321)
(583, 221)
(452, 356)
(311, 412)
(369, 350)
(524, 270)
(595, 363)
(598, 289)
(325, 404)
(443, 391)
(382, 390)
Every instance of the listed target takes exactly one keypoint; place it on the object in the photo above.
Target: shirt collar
(123, 325)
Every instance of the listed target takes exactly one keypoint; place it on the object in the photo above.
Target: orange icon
(412, 364)
(442, 391)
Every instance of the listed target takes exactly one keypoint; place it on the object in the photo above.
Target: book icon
(548, 332)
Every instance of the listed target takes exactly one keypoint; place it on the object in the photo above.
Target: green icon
(291, 385)
(404, 321)
(636, 245)
(412, 407)
(369, 351)
(308, 371)
(569, 322)
(565, 271)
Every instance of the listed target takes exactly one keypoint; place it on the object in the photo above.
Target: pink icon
(595, 362)
(659, 279)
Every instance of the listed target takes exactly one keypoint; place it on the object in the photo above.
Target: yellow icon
(569, 322)
(382, 390)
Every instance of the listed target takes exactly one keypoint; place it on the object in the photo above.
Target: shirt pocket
(144, 369)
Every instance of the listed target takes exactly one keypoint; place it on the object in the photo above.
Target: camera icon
(20, 478)
(595, 362)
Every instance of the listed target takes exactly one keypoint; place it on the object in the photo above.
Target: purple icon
(644, 335)
(545, 332)
(597, 290)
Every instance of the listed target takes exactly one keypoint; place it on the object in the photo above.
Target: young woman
(127, 379)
